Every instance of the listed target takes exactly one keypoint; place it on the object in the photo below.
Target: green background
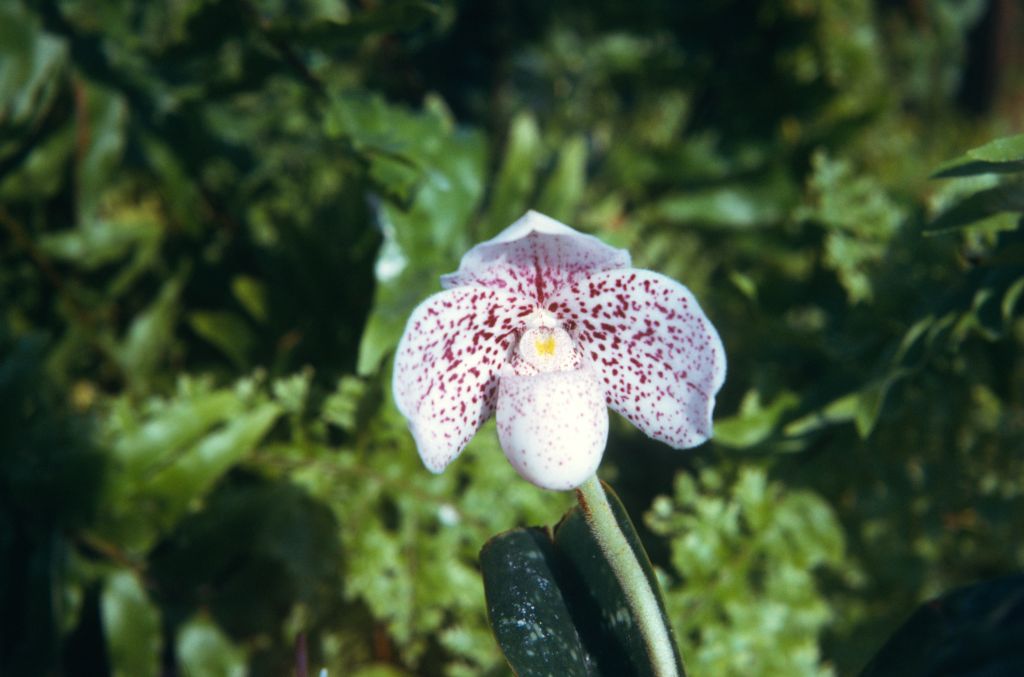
(216, 215)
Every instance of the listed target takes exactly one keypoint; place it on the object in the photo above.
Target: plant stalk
(642, 599)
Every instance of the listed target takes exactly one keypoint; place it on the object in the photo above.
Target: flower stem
(643, 601)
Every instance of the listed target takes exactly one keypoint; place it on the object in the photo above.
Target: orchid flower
(547, 327)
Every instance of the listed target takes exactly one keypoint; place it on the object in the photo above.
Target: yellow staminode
(545, 346)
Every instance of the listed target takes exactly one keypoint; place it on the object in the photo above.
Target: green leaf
(98, 242)
(974, 168)
(175, 426)
(393, 303)
(862, 408)
(288, 558)
(755, 422)
(292, 392)
(974, 630)
(107, 120)
(379, 671)
(150, 334)
(516, 180)
(563, 192)
(418, 157)
(390, 17)
(41, 173)
(1006, 149)
(529, 612)
(252, 294)
(746, 552)
(871, 399)
(733, 207)
(1000, 156)
(1007, 197)
(841, 410)
(425, 238)
(132, 626)
(30, 58)
(195, 471)
(342, 407)
(226, 331)
(204, 651)
(1010, 299)
(556, 607)
(170, 466)
(575, 539)
(182, 196)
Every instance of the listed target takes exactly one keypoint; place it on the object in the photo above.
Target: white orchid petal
(658, 356)
(548, 326)
(553, 426)
(445, 378)
(534, 257)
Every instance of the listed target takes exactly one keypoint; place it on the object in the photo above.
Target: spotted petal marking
(534, 257)
(445, 378)
(659, 358)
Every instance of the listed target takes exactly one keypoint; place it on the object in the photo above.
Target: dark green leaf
(231, 334)
(974, 168)
(168, 466)
(252, 294)
(400, 15)
(975, 630)
(107, 120)
(98, 242)
(172, 429)
(1008, 197)
(737, 206)
(556, 607)
(194, 472)
(575, 540)
(151, 333)
(132, 624)
(529, 613)
(1006, 149)
(564, 190)
(30, 60)
(862, 408)
(516, 180)
(1010, 300)
(202, 649)
(1001, 156)
(290, 553)
(755, 421)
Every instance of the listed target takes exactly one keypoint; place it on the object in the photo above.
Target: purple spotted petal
(553, 426)
(534, 257)
(659, 358)
(445, 378)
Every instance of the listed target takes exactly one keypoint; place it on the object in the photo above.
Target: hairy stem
(642, 599)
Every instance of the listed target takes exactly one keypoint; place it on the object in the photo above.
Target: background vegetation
(217, 214)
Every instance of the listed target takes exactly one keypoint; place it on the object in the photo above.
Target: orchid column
(547, 327)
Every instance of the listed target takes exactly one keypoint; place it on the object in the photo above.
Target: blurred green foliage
(774, 541)
(216, 216)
